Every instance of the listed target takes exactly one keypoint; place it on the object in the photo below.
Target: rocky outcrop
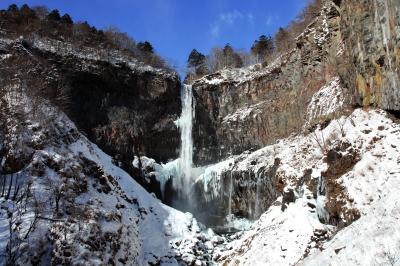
(327, 195)
(122, 105)
(340, 160)
(242, 109)
(370, 30)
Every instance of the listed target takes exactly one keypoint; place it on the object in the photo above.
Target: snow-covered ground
(326, 102)
(114, 57)
(103, 217)
(299, 234)
(239, 75)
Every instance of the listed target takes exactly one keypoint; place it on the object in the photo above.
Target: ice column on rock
(257, 203)
(230, 196)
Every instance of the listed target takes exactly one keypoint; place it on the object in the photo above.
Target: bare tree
(320, 140)
(120, 39)
(391, 257)
(341, 124)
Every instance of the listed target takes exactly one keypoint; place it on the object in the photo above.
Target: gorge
(107, 157)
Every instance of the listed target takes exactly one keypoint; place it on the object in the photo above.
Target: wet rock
(287, 197)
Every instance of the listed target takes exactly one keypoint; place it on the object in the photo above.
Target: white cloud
(215, 30)
(269, 20)
(250, 18)
(229, 18)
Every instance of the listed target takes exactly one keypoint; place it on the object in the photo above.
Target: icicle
(257, 204)
(230, 196)
(321, 197)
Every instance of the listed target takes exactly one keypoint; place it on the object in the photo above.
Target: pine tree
(263, 47)
(67, 19)
(197, 63)
(195, 58)
(26, 11)
(13, 8)
(145, 47)
(54, 15)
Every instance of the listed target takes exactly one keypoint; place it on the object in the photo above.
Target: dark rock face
(371, 32)
(120, 104)
(145, 100)
(239, 109)
(242, 191)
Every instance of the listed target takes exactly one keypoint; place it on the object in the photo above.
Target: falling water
(185, 124)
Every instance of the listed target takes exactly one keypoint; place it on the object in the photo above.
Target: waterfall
(185, 124)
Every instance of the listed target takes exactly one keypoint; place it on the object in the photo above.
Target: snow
(155, 230)
(241, 114)
(278, 239)
(87, 53)
(326, 102)
(371, 187)
(373, 184)
(321, 36)
(238, 76)
(126, 214)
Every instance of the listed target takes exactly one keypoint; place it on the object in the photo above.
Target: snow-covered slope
(72, 205)
(345, 207)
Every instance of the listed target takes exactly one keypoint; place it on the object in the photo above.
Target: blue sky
(175, 27)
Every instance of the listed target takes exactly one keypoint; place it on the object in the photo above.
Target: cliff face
(63, 201)
(243, 109)
(348, 56)
(371, 33)
(120, 104)
(354, 179)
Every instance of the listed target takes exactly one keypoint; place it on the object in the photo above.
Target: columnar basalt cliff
(370, 30)
(330, 72)
(124, 106)
(242, 109)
